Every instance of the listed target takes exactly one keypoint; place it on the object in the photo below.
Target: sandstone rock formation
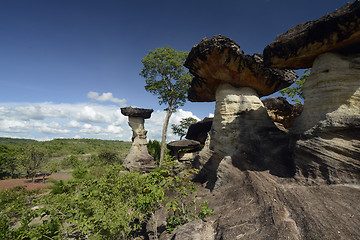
(299, 46)
(328, 147)
(282, 112)
(199, 131)
(183, 150)
(241, 128)
(326, 138)
(138, 157)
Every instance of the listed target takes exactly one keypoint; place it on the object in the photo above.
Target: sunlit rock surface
(328, 148)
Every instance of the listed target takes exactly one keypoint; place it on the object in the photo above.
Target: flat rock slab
(300, 45)
(183, 144)
(137, 112)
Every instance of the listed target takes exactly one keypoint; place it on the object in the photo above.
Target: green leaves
(166, 76)
(297, 91)
(184, 125)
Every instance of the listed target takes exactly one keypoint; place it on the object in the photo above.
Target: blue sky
(66, 67)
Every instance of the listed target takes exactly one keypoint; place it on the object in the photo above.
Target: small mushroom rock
(138, 157)
(188, 147)
(299, 46)
(241, 127)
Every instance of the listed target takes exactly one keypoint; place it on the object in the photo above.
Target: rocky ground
(263, 206)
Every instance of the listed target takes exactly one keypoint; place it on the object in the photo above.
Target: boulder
(138, 157)
(328, 130)
(199, 131)
(196, 230)
(299, 46)
(241, 125)
(282, 112)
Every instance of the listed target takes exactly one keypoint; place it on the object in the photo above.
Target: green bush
(154, 149)
(114, 205)
(80, 172)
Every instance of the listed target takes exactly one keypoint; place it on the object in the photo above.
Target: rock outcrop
(326, 138)
(328, 147)
(199, 131)
(241, 129)
(299, 46)
(138, 157)
(282, 112)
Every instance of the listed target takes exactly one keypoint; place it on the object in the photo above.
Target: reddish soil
(38, 183)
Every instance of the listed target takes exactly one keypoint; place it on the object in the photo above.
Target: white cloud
(106, 97)
(48, 120)
(90, 114)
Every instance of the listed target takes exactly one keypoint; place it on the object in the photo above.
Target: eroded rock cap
(219, 60)
(136, 112)
(183, 144)
(300, 45)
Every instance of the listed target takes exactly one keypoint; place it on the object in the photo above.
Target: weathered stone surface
(137, 112)
(300, 45)
(219, 60)
(328, 148)
(282, 112)
(138, 157)
(198, 131)
(258, 205)
(197, 230)
(243, 132)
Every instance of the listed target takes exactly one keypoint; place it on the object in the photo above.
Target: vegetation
(166, 77)
(27, 157)
(296, 92)
(114, 205)
(154, 149)
(184, 125)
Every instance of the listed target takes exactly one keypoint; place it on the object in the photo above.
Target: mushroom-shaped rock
(137, 112)
(236, 81)
(299, 46)
(185, 144)
(326, 134)
(138, 157)
(219, 60)
(328, 130)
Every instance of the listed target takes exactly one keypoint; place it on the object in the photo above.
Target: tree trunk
(164, 132)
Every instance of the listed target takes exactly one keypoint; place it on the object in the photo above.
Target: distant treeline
(27, 157)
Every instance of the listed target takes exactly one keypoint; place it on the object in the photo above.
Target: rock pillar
(328, 130)
(138, 157)
(243, 134)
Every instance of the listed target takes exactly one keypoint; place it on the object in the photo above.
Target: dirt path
(10, 183)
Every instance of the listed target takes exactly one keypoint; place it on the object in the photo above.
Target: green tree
(33, 160)
(166, 77)
(184, 125)
(8, 159)
(297, 91)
